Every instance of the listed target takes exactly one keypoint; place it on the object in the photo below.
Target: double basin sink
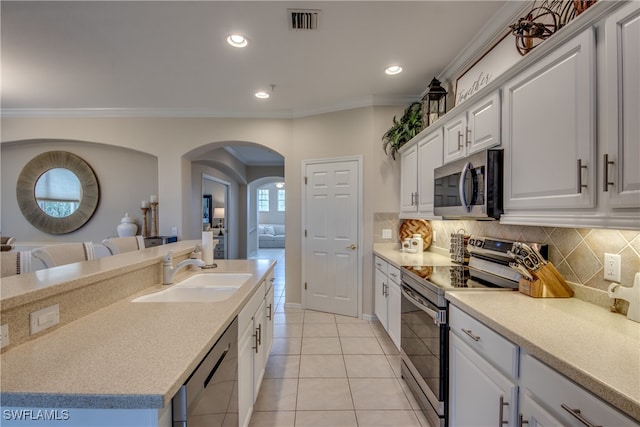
(202, 287)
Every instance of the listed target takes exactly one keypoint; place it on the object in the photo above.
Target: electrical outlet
(44, 318)
(386, 233)
(174, 231)
(612, 267)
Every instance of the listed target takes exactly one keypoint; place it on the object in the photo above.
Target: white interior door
(331, 236)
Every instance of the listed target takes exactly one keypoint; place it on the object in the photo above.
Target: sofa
(271, 236)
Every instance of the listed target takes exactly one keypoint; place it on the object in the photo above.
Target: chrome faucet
(169, 271)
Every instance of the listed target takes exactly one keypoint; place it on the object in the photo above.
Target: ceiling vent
(303, 19)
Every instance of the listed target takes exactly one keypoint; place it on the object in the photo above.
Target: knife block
(547, 283)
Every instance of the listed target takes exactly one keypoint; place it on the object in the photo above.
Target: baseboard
(369, 317)
(293, 305)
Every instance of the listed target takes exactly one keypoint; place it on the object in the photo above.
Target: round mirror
(57, 192)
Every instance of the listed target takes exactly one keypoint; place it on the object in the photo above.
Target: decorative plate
(409, 227)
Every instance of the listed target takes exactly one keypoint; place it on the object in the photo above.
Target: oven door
(424, 344)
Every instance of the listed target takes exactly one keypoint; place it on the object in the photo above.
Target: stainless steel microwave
(470, 187)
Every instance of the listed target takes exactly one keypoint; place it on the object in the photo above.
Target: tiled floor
(331, 370)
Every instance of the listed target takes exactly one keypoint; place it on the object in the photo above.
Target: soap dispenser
(631, 294)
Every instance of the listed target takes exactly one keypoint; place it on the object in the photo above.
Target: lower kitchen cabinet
(255, 337)
(494, 382)
(549, 398)
(387, 298)
(483, 387)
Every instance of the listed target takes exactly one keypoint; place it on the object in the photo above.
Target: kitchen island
(122, 364)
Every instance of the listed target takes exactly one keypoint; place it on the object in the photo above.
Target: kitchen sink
(203, 287)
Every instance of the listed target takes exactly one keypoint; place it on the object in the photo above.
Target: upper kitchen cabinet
(548, 129)
(620, 147)
(418, 162)
(475, 129)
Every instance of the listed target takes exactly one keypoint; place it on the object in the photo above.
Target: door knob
(352, 247)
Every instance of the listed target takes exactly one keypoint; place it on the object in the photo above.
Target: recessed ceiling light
(237, 40)
(393, 70)
(262, 95)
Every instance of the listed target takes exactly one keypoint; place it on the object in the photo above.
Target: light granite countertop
(595, 348)
(126, 355)
(392, 253)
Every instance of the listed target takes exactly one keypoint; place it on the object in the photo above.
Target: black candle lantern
(434, 103)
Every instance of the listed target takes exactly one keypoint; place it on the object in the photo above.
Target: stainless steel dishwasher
(210, 395)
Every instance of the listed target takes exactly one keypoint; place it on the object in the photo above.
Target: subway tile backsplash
(578, 253)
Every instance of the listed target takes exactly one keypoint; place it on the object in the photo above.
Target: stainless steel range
(424, 324)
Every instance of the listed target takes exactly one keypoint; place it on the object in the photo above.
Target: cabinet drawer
(502, 353)
(394, 274)
(552, 390)
(381, 265)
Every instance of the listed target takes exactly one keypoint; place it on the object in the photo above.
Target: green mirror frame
(25, 192)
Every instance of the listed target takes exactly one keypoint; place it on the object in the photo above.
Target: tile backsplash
(578, 253)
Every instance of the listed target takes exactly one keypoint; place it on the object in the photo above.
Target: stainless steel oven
(424, 345)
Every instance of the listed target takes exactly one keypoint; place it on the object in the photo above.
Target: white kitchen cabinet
(479, 394)
(408, 179)
(476, 129)
(549, 398)
(483, 371)
(620, 146)
(251, 353)
(548, 132)
(418, 162)
(387, 302)
(394, 305)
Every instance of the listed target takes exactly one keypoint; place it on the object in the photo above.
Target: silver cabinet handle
(502, 421)
(255, 338)
(580, 184)
(522, 421)
(605, 169)
(459, 138)
(259, 333)
(578, 415)
(269, 315)
(471, 335)
(468, 136)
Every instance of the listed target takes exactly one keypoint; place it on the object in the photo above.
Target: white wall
(175, 141)
(125, 177)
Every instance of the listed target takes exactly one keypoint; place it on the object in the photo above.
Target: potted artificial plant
(409, 125)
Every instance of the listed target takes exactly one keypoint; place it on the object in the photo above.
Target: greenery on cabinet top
(409, 125)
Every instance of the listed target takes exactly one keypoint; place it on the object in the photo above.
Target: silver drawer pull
(578, 415)
(501, 420)
(471, 335)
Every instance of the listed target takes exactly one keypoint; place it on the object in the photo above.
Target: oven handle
(420, 304)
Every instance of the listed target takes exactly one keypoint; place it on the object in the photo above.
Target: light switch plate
(44, 318)
(4, 335)
(386, 233)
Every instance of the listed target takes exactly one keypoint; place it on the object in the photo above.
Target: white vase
(127, 227)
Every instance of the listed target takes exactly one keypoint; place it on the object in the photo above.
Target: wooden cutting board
(409, 227)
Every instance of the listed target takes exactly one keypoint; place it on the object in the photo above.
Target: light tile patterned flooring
(331, 370)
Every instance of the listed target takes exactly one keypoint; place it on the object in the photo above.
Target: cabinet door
(394, 304)
(483, 129)
(259, 355)
(269, 312)
(548, 130)
(622, 142)
(245, 374)
(409, 179)
(534, 414)
(479, 394)
(455, 133)
(381, 298)
(429, 158)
